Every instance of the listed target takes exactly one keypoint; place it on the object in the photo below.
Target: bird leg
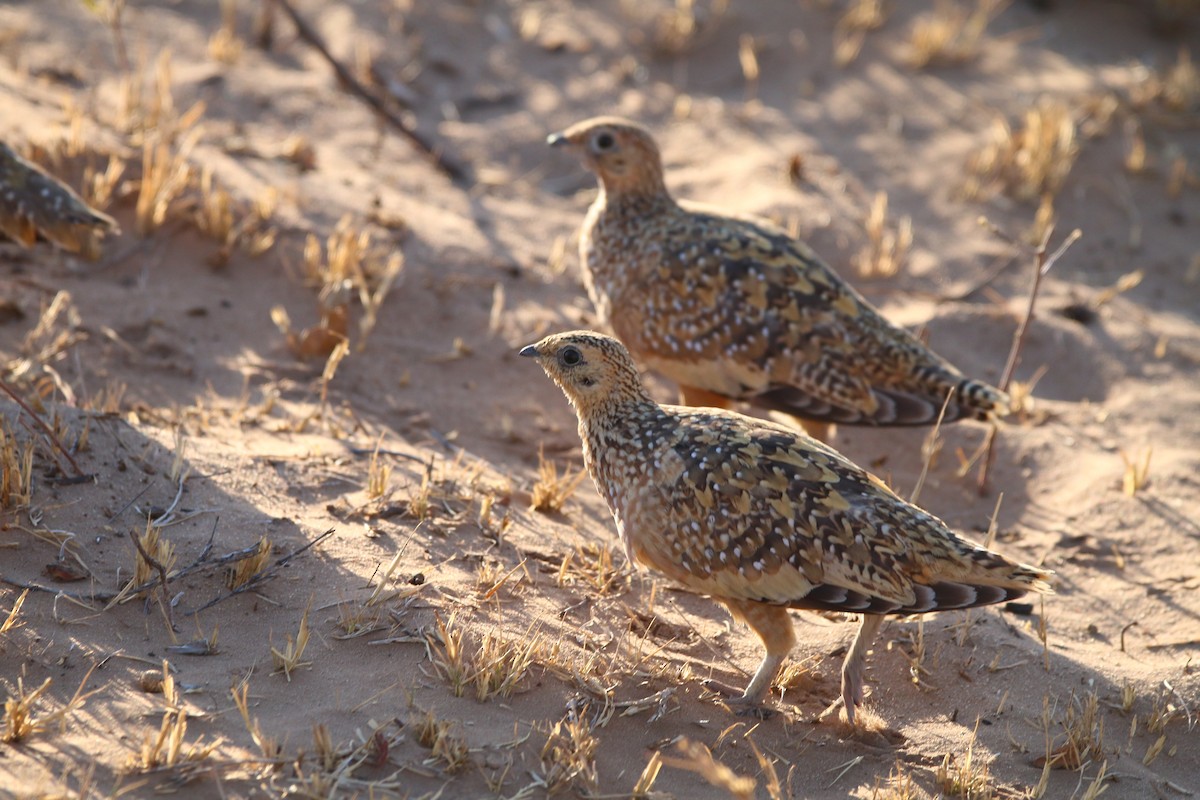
(774, 627)
(702, 398)
(852, 667)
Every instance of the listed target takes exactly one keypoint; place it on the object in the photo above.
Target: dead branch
(201, 563)
(41, 424)
(165, 595)
(998, 267)
(263, 576)
(433, 152)
(1042, 264)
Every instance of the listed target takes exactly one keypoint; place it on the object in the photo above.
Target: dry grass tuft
(349, 263)
(1137, 472)
(19, 720)
(501, 664)
(379, 475)
(795, 675)
(1083, 726)
(158, 548)
(446, 648)
(356, 618)
(290, 658)
(12, 619)
(21, 716)
(899, 786)
(699, 759)
(887, 245)
(860, 18)
(556, 261)
(569, 756)
(233, 224)
(678, 30)
(16, 469)
(269, 746)
(1135, 156)
(496, 665)
(224, 46)
(965, 778)
(166, 175)
(643, 788)
(446, 746)
(244, 570)
(1167, 707)
(1175, 89)
(593, 565)
(421, 502)
(99, 188)
(551, 491)
(748, 59)
(166, 138)
(1030, 162)
(166, 749)
(950, 35)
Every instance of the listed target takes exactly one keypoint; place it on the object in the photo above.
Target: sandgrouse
(762, 517)
(33, 201)
(733, 308)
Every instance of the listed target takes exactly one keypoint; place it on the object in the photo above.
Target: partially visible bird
(762, 517)
(33, 201)
(733, 308)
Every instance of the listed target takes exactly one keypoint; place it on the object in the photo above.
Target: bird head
(621, 153)
(593, 370)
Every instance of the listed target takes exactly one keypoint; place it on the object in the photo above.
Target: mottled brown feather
(754, 513)
(33, 201)
(735, 306)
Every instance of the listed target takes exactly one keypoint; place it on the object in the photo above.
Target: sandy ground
(173, 366)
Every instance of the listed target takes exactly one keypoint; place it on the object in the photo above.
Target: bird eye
(571, 356)
(604, 141)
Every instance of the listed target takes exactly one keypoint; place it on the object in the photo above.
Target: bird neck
(634, 195)
(621, 417)
(613, 432)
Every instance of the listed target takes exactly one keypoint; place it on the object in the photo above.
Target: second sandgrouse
(33, 201)
(762, 517)
(733, 308)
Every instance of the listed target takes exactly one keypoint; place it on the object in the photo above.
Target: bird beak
(557, 140)
(529, 351)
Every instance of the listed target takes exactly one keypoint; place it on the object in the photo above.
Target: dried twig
(1042, 264)
(263, 576)
(994, 271)
(41, 424)
(125, 507)
(201, 563)
(165, 597)
(434, 153)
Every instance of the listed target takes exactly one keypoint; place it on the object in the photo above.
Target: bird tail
(943, 595)
(983, 399)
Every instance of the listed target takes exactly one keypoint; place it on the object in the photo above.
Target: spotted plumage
(32, 201)
(761, 516)
(731, 307)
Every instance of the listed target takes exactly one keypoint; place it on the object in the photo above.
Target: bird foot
(831, 710)
(851, 699)
(738, 702)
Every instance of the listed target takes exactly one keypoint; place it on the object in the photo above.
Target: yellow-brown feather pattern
(32, 201)
(735, 306)
(754, 513)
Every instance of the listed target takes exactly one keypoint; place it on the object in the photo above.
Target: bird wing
(761, 512)
(740, 308)
(750, 510)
